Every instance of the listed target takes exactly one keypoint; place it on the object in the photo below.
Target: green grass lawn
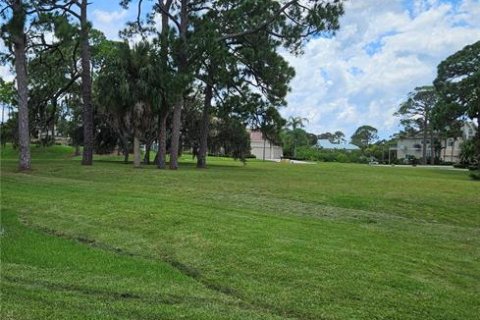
(261, 241)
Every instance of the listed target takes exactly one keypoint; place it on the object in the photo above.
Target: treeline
(187, 73)
(324, 155)
(365, 139)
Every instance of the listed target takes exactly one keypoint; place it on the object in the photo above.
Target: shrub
(342, 158)
(474, 174)
(467, 152)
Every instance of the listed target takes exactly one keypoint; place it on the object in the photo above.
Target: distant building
(409, 147)
(51, 136)
(451, 146)
(413, 146)
(328, 145)
(262, 148)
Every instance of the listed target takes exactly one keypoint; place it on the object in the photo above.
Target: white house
(262, 148)
(450, 152)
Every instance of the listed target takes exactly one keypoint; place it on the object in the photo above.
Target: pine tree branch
(260, 26)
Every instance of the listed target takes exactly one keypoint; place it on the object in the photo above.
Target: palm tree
(295, 123)
(125, 91)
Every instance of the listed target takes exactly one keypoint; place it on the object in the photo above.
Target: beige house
(412, 147)
(262, 148)
(451, 146)
(450, 152)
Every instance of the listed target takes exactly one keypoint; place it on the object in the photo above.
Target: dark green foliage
(364, 136)
(458, 81)
(458, 84)
(322, 155)
(7, 94)
(293, 136)
(9, 130)
(336, 137)
(232, 48)
(231, 139)
(474, 174)
(312, 139)
(467, 152)
(292, 140)
(125, 92)
(106, 138)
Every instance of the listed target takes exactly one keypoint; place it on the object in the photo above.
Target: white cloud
(380, 54)
(108, 17)
(5, 73)
(110, 22)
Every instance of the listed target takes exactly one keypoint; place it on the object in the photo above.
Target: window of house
(470, 132)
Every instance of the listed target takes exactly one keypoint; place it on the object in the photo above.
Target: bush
(447, 163)
(474, 174)
(342, 156)
(467, 152)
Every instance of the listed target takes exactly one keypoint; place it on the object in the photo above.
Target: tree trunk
(53, 119)
(445, 150)
(44, 141)
(264, 145)
(424, 147)
(125, 148)
(160, 158)
(182, 70)
(203, 148)
(19, 41)
(477, 142)
(86, 87)
(453, 149)
(162, 140)
(176, 127)
(77, 149)
(432, 148)
(148, 147)
(136, 151)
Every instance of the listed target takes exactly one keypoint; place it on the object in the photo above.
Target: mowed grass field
(261, 241)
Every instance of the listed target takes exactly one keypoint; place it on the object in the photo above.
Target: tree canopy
(364, 136)
(458, 84)
(417, 115)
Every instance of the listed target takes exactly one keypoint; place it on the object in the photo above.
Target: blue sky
(383, 50)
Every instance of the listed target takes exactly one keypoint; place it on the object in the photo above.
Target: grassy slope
(266, 240)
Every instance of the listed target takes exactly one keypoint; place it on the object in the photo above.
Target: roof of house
(326, 144)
